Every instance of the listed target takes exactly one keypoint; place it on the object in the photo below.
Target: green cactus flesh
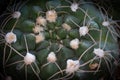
(58, 40)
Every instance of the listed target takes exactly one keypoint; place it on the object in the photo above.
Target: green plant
(59, 40)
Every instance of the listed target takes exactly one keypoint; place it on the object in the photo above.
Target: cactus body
(62, 40)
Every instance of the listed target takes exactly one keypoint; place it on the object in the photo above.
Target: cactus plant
(58, 40)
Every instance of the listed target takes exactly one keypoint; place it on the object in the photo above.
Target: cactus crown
(58, 40)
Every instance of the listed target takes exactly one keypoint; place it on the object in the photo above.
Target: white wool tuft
(72, 66)
(74, 44)
(106, 23)
(66, 26)
(38, 29)
(16, 14)
(74, 7)
(29, 58)
(40, 37)
(83, 30)
(51, 57)
(51, 15)
(41, 21)
(10, 37)
(99, 52)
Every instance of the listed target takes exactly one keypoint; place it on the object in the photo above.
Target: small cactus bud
(74, 7)
(74, 44)
(10, 37)
(66, 26)
(93, 66)
(29, 58)
(99, 52)
(37, 29)
(72, 66)
(41, 21)
(51, 15)
(16, 14)
(51, 57)
(83, 30)
(39, 38)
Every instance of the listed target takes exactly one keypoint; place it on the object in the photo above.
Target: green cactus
(58, 40)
